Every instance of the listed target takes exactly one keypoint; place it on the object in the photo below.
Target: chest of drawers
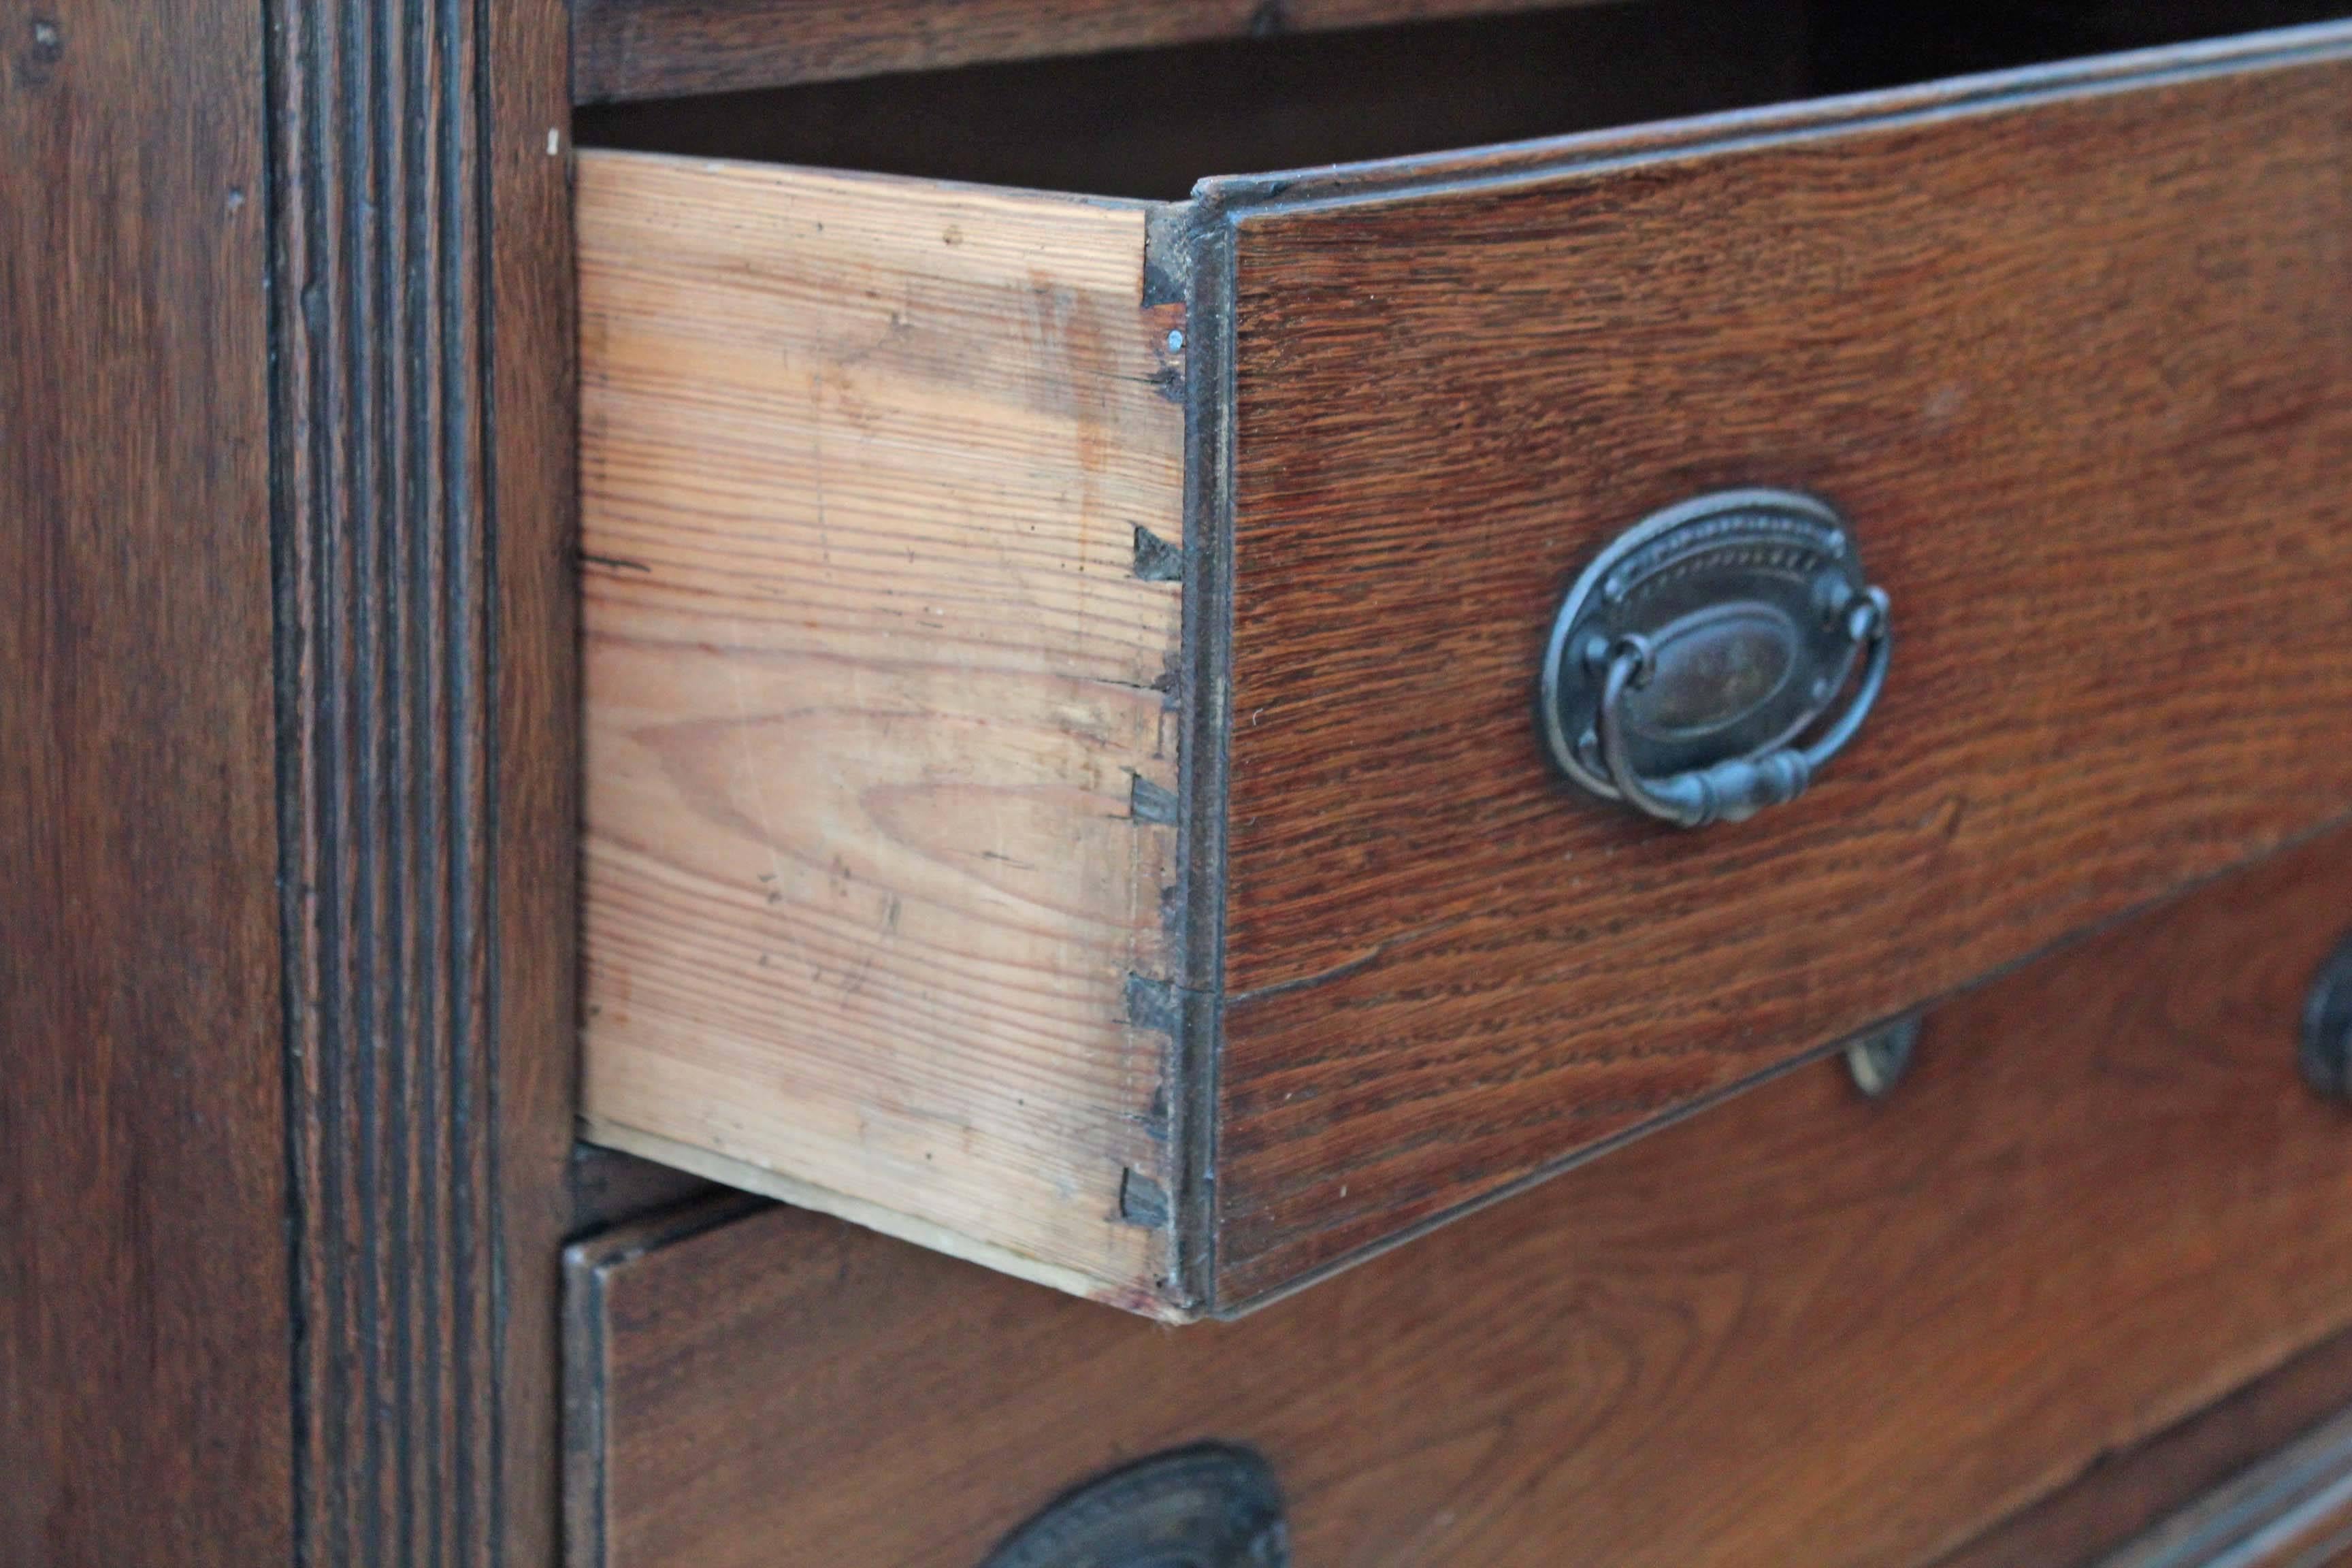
(1065, 775)
(1127, 716)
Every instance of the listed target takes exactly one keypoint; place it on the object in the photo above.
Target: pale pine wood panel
(871, 682)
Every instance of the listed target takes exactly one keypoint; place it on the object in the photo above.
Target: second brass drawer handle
(1690, 657)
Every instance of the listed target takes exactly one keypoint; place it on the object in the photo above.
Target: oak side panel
(874, 694)
(1801, 1328)
(2075, 362)
(665, 48)
(145, 1403)
(429, 722)
(533, 728)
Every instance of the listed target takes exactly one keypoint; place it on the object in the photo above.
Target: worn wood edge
(867, 179)
(2298, 1502)
(747, 1177)
(1148, 1004)
(1618, 148)
(586, 1267)
(1196, 247)
(587, 1373)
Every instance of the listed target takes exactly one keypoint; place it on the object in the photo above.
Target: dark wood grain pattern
(398, 828)
(2077, 363)
(143, 1255)
(665, 49)
(427, 709)
(1803, 1329)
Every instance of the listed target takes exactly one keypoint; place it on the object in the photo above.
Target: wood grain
(1803, 1329)
(143, 1289)
(532, 731)
(427, 721)
(665, 48)
(2072, 355)
(874, 689)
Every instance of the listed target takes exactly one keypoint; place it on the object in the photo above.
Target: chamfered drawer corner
(1062, 778)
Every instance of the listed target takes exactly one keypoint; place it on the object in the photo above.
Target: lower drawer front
(1809, 1327)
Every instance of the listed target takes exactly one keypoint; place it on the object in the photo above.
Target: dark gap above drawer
(1858, 45)
(1150, 123)
(628, 49)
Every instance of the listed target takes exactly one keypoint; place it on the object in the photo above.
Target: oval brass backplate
(1741, 603)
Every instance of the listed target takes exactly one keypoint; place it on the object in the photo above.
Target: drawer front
(1809, 1327)
(2077, 365)
(1062, 780)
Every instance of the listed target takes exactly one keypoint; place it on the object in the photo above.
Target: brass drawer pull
(2326, 1056)
(1210, 1506)
(1691, 656)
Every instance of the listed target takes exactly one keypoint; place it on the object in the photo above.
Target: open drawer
(1071, 776)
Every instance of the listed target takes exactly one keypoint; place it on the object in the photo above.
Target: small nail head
(1877, 1060)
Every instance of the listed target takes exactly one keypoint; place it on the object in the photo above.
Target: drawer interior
(1148, 123)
